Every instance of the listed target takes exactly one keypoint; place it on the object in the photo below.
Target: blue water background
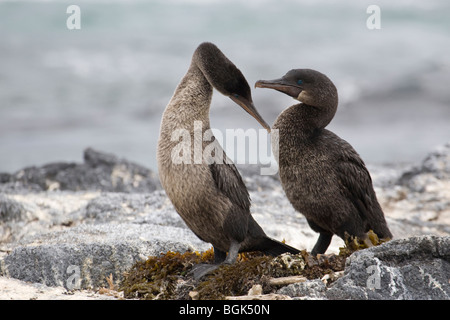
(107, 84)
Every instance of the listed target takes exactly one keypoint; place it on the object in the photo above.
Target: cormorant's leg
(322, 243)
(201, 270)
(232, 252)
(219, 256)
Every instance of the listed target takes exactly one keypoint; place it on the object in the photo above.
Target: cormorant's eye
(299, 81)
(236, 95)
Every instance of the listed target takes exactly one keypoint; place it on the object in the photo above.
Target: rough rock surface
(312, 289)
(413, 268)
(73, 225)
(100, 171)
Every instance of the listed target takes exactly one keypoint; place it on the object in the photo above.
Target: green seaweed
(235, 279)
(167, 276)
(156, 278)
(353, 244)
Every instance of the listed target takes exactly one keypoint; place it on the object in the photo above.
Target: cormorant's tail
(275, 248)
(377, 222)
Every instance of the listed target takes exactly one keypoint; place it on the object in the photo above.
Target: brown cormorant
(323, 177)
(211, 198)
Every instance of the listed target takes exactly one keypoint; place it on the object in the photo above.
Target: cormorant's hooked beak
(250, 108)
(282, 85)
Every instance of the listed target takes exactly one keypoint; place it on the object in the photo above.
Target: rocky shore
(70, 230)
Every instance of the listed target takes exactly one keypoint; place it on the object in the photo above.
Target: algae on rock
(167, 276)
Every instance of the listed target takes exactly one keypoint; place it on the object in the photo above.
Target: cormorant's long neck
(190, 102)
(318, 106)
(303, 121)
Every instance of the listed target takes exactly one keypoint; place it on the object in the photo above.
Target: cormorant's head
(226, 78)
(308, 86)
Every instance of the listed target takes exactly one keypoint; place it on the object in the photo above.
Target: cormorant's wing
(230, 183)
(357, 183)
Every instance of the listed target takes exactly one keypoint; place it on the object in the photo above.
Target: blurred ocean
(107, 84)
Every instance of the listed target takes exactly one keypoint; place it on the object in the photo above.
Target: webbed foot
(201, 270)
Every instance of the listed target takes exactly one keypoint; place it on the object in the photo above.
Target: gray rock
(435, 165)
(10, 210)
(438, 162)
(82, 257)
(413, 268)
(100, 171)
(311, 289)
(72, 225)
(5, 177)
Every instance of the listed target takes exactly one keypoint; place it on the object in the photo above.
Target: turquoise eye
(236, 95)
(299, 81)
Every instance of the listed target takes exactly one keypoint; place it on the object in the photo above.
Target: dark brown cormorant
(323, 177)
(211, 198)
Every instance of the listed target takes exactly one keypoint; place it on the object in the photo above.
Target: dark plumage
(210, 197)
(323, 177)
